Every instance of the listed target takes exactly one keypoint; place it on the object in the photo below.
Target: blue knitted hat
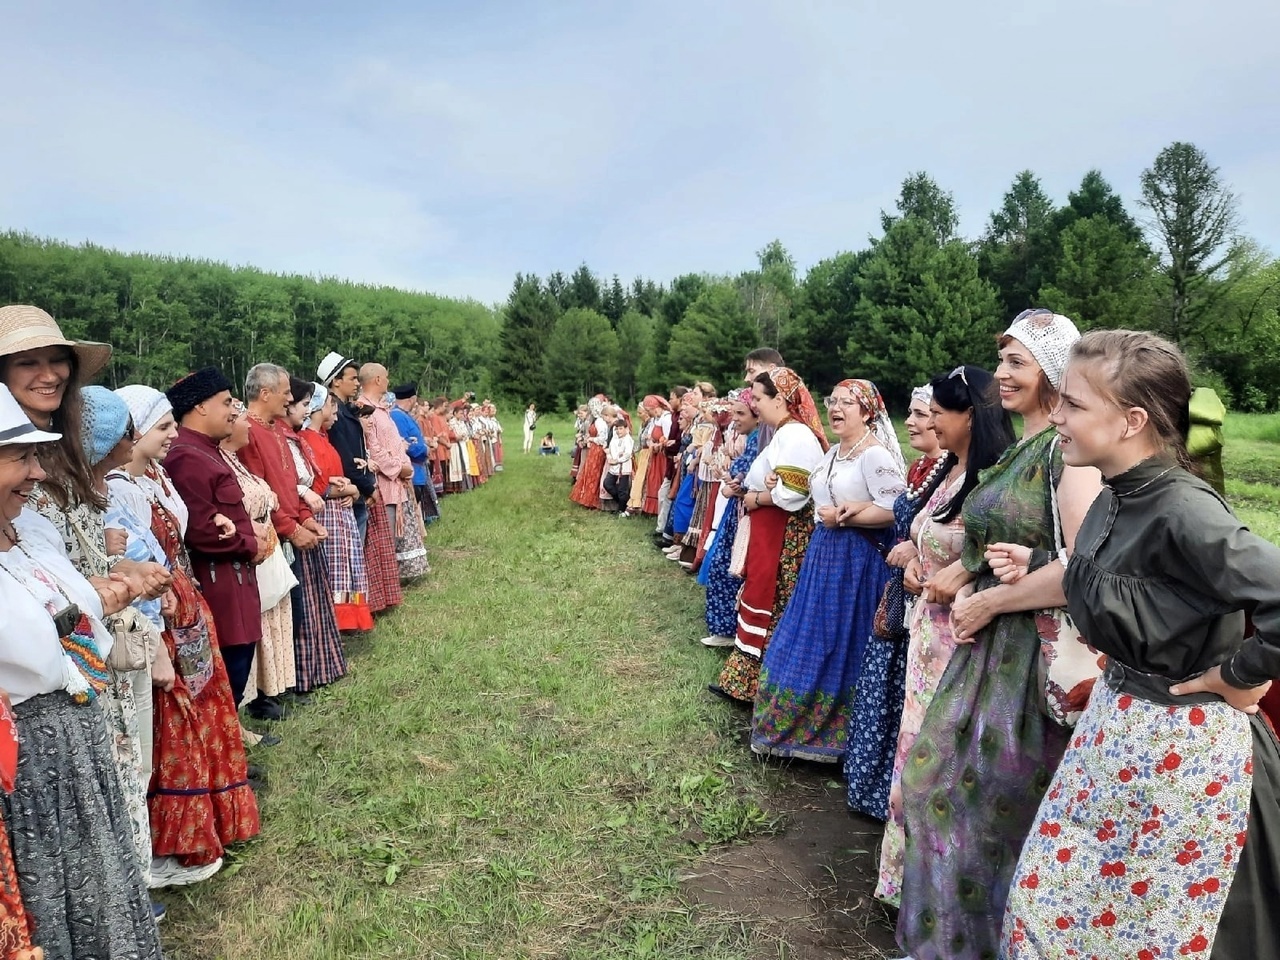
(104, 422)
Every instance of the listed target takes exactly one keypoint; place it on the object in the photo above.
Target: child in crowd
(617, 474)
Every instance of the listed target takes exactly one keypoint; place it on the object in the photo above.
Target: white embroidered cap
(1049, 336)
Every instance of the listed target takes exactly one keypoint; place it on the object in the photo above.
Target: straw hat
(25, 327)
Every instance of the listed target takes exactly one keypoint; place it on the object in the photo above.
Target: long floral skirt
(814, 658)
(69, 831)
(586, 489)
(411, 551)
(873, 726)
(125, 716)
(970, 790)
(199, 798)
(1140, 843)
(722, 586)
(275, 670)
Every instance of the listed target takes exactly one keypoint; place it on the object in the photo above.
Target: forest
(166, 317)
(908, 303)
(919, 298)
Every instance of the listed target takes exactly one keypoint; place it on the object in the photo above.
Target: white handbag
(275, 579)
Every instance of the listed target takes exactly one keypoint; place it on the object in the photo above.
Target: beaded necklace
(914, 491)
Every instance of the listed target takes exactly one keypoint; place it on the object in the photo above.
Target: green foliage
(1104, 277)
(1245, 349)
(582, 356)
(922, 310)
(1195, 218)
(166, 317)
(711, 338)
(1017, 251)
(528, 320)
(635, 338)
(815, 341)
(922, 198)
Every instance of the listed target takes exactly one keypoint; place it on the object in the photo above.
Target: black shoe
(265, 708)
(294, 699)
(256, 772)
(268, 740)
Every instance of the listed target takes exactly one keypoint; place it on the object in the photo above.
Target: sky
(446, 146)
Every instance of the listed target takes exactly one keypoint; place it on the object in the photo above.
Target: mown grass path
(513, 768)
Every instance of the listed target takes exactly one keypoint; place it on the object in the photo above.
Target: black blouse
(1162, 572)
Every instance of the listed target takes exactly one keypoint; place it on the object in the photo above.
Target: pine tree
(581, 356)
(1195, 217)
(1017, 252)
(529, 318)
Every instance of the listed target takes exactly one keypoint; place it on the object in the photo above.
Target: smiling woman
(67, 817)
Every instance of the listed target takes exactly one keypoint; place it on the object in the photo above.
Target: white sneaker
(168, 872)
(624, 515)
(717, 641)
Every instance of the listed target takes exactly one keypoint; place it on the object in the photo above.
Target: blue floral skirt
(873, 726)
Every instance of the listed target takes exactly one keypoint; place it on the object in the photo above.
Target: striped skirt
(380, 561)
(344, 553)
(70, 834)
(318, 645)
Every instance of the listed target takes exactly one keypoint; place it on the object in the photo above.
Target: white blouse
(621, 450)
(872, 476)
(793, 445)
(32, 661)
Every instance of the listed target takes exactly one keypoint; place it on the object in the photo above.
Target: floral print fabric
(1148, 813)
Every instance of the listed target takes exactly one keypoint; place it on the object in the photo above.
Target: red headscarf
(656, 403)
(799, 403)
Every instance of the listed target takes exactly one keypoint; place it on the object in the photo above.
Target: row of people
(923, 627)
(167, 558)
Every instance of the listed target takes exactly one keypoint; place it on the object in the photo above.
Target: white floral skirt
(1136, 843)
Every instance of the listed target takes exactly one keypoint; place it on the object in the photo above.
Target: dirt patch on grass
(805, 891)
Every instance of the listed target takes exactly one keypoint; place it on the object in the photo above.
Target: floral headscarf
(868, 396)
(799, 403)
(744, 396)
(596, 405)
(719, 409)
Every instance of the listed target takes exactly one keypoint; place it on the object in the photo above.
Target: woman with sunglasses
(986, 749)
(811, 667)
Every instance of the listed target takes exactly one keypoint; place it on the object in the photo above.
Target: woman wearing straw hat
(66, 816)
(44, 372)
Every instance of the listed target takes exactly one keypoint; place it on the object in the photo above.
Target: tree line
(167, 316)
(915, 299)
(920, 298)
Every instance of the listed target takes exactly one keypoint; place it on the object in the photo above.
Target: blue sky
(444, 146)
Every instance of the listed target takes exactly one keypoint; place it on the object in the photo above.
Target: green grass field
(509, 768)
(524, 761)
